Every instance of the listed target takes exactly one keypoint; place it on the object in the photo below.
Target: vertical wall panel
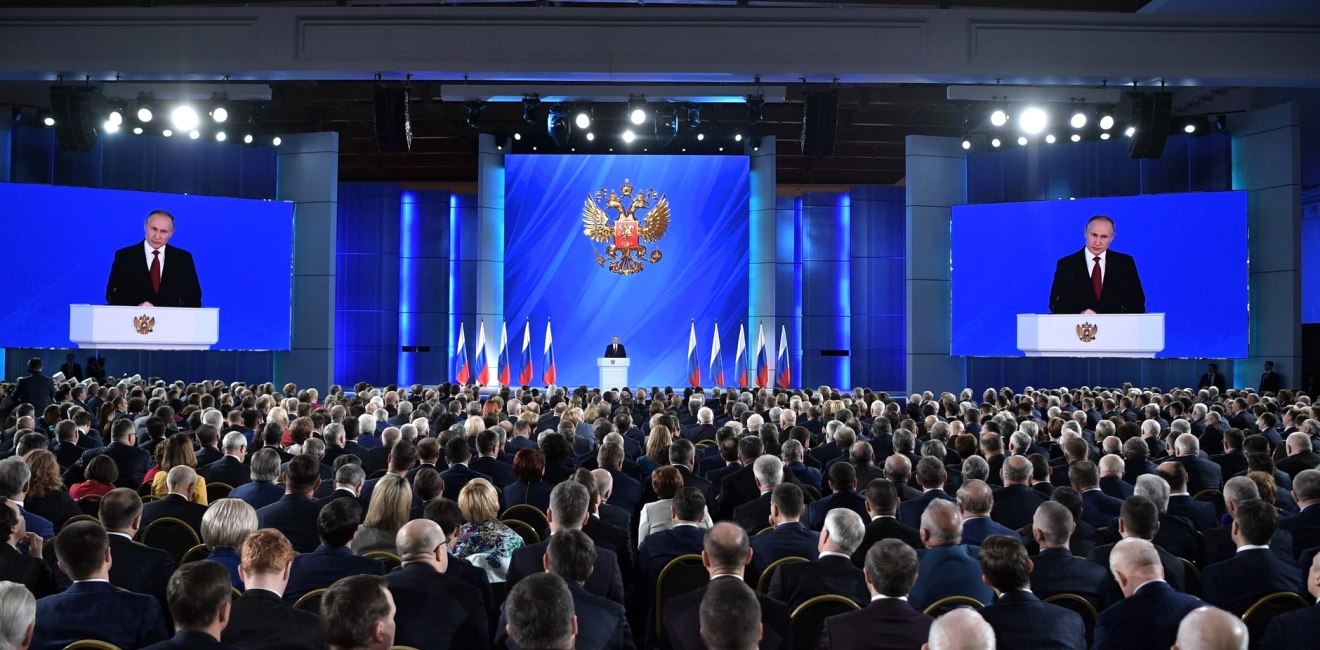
(367, 283)
(878, 288)
(826, 288)
(424, 286)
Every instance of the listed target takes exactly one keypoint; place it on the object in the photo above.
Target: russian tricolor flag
(762, 364)
(740, 359)
(694, 367)
(548, 375)
(462, 369)
(716, 360)
(504, 354)
(525, 375)
(483, 370)
(785, 372)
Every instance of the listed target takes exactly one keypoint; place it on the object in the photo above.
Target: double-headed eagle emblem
(144, 324)
(1086, 332)
(626, 233)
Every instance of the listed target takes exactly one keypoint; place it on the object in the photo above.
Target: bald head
(1016, 471)
(961, 629)
(726, 549)
(975, 498)
(181, 480)
(604, 483)
(1111, 465)
(1298, 442)
(418, 540)
(1211, 628)
(1134, 561)
(941, 524)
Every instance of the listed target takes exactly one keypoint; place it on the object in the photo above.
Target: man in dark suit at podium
(1096, 280)
(616, 350)
(153, 273)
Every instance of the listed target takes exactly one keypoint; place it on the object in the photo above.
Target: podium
(613, 372)
(107, 327)
(1090, 335)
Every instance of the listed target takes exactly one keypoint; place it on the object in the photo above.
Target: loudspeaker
(1150, 116)
(71, 107)
(393, 126)
(820, 121)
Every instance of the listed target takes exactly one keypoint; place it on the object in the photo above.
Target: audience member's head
(730, 616)
(540, 613)
(358, 613)
(199, 594)
(1004, 563)
(571, 555)
(961, 629)
(83, 550)
(1211, 628)
(726, 550)
(120, 510)
(941, 525)
(338, 521)
(891, 568)
(18, 616)
(227, 523)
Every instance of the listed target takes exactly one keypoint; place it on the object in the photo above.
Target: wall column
(761, 254)
(477, 259)
(423, 286)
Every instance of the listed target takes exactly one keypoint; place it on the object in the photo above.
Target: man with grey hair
(832, 572)
(434, 609)
(1211, 628)
(1148, 615)
(14, 482)
(754, 515)
(177, 503)
(348, 481)
(974, 468)
(18, 616)
(569, 510)
(1300, 455)
(948, 567)
(229, 469)
(961, 629)
(898, 469)
(1111, 477)
(705, 427)
(975, 502)
(262, 490)
(1202, 473)
(1015, 504)
(1055, 569)
(1304, 525)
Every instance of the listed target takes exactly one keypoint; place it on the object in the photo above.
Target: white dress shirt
(146, 246)
(1090, 264)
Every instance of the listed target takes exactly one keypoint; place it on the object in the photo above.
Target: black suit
(602, 624)
(455, 478)
(501, 474)
(605, 579)
(35, 389)
(1219, 545)
(1269, 382)
(1304, 527)
(1147, 621)
(132, 462)
(1238, 582)
(261, 620)
(682, 622)
(1231, 463)
(1015, 506)
(227, 470)
(1296, 463)
(790, 539)
(613, 538)
(1073, 293)
(1293, 630)
(1058, 571)
(377, 459)
(1208, 380)
(884, 624)
(191, 641)
(130, 279)
(1174, 570)
(16, 566)
(435, 611)
(295, 516)
(798, 582)
(140, 569)
(1046, 625)
(208, 455)
(883, 528)
(616, 351)
(177, 506)
(754, 515)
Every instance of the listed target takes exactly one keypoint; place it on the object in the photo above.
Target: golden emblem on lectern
(1086, 332)
(144, 324)
(625, 236)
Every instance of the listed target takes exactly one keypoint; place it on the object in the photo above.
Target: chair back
(236, 594)
(91, 644)
(79, 518)
(310, 601)
(945, 605)
(808, 619)
(524, 531)
(528, 514)
(194, 554)
(172, 535)
(1082, 606)
(391, 560)
(377, 474)
(1191, 578)
(763, 584)
(811, 490)
(217, 491)
(144, 490)
(90, 505)
(1259, 615)
(1215, 498)
(683, 575)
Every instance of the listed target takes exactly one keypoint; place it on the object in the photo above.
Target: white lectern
(1090, 335)
(143, 328)
(613, 372)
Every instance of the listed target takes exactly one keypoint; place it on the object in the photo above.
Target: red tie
(156, 274)
(1096, 281)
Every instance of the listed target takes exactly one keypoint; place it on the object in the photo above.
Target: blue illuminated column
(826, 287)
(761, 231)
(788, 280)
(879, 251)
(424, 217)
(476, 259)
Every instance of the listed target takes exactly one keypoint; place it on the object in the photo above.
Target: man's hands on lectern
(1087, 312)
(146, 304)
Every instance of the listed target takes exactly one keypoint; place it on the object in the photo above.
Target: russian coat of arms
(144, 324)
(1086, 332)
(627, 235)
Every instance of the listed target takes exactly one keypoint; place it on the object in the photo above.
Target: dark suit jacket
(613, 351)
(605, 579)
(258, 494)
(753, 515)
(208, 455)
(97, 610)
(1218, 545)
(177, 506)
(35, 389)
(130, 279)
(260, 620)
(1116, 487)
(1202, 474)
(435, 611)
(816, 511)
(55, 506)
(1058, 571)
(909, 512)
(949, 571)
(1293, 630)
(1099, 508)
(321, 568)
(884, 528)
(682, 622)
(1202, 515)
(796, 583)
(227, 470)
(16, 566)
(1174, 571)
(627, 491)
(131, 461)
(658, 549)
(1238, 582)
(884, 624)
(192, 641)
(1049, 626)
(790, 539)
(455, 478)
(140, 569)
(501, 474)
(377, 459)
(1015, 506)
(295, 516)
(1073, 293)
(1134, 468)
(1298, 462)
(608, 536)
(68, 453)
(976, 529)
(700, 432)
(536, 494)
(1208, 380)
(602, 624)
(1304, 527)
(1146, 621)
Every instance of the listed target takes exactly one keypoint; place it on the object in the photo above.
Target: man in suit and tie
(15, 480)
(260, 619)
(138, 568)
(1016, 503)
(1255, 570)
(887, 622)
(685, 538)
(1211, 378)
(457, 453)
(1233, 461)
(1298, 628)
(25, 568)
(35, 389)
(358, 612)
(200, 596)
(788, 538)
(1148, 615)
(602, 623)
(832, 573)
(131, 461)
(730, 616)
(616, 350)
(881, 505)
(682, 456)
(626, 492)
(1300, 455)
(1202, 474)
(434, 610)
(501, 473)
(1111, 477)
(295, 514)
(1056, 570)
(262, 490)
(1269, 380)
(948, 567)
(1200, 514)
(177, 503)
(754, 515)
(229, 469)
(1020, 618)
(726, 554)
(336, 526)
(1098, 508)
(843, 485)
(153, 273)
(1218, 544)
(569, 503)
(931, 477)
(975, 503)
(1140, 519)
(92, 607)
(1096, 280)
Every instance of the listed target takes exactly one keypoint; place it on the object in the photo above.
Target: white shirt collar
(883, 517)
(834, 553)
(884, 597)
(124, 535)
(1251, 547)
(146, 246)
(1090, 263)
(1142, 585)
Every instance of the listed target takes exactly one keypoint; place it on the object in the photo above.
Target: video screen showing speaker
(114, 269)
(640, 247)
(1160, 275)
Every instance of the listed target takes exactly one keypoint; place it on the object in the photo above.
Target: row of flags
(463, 373)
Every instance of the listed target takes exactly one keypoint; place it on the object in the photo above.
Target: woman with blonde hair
(388, 512)
(46, 496)
(225, 526)
(484, 540)
(657, 451)
(178, 451)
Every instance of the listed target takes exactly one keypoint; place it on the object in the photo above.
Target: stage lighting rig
(501, 139)
(692, 113)
(637, 109)
(531, 104)
(557, 125)
(1034, 120)
(219, 107)
(629, 136)
(1078, 119)
(999, 117)
(666, 124)
(184, 118)
(45, 117)
(756, 141)
(583, 118)
(474, 114)
(755, 109)
(1105, 117)
(146, 107)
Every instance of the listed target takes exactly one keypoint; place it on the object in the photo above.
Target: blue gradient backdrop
(1190, 249)
(550, 270)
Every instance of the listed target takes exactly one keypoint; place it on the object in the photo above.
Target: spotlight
(1078, 119)
(501, 139)
(557, 125)
(275, 142)
(666, 124)
(46, 118)
(591, 137)
(194, 134)
(167, 133)
(474, 114)
(1076, 138)
(583, 119)
(116, 116)
(145, 107)
(247, 139)
(137, 130)
(693, 114)
(220, 136)
(517, 136)
(701, 136)
(1221, 122)
(967, 144)
(737, 137)
(995, 143)
(530, 105)
(1033, 120)
(184, 118)
(755, 108)
(756, 142)
(1106, 121)
(629, 136)
(110, 127)
(1190, 128)
(1199, 125)
(637, 109)
(998, 118)
(219, 107)
(1131, 131)
(1104, 136)
(1049, 139)
(1022, 140)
